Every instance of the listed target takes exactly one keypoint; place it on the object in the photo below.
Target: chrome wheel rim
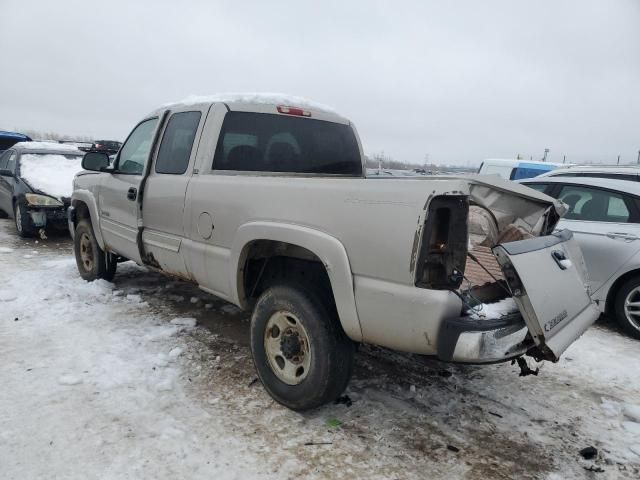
(18, 218)
(287, 347)
(86, 252)
(632, 307)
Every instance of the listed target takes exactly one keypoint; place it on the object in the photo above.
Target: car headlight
(35, 200)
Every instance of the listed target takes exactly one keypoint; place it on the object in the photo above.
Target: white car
(604, 215)
(615, 172)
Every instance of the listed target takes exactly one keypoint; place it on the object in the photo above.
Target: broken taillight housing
(444, 246)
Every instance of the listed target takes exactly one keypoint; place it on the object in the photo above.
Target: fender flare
(327, 248)
(86, 197)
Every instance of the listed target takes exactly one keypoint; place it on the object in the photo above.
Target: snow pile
(50, 173)
(86, 393)
(61, 147)
(493, 310)
(255, 97)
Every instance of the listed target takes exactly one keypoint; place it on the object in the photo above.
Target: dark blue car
(9, 139)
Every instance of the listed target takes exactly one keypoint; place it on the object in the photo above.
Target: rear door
(604, 223)
(547, 277)
(165, 191)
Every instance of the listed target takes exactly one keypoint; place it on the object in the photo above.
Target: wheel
(301, 354)
(627, 307)
(92, 261)
(21, 219)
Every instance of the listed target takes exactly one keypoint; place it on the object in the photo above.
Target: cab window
(177, 143)
(595, 205)
(135, 151)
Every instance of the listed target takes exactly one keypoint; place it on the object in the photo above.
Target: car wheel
(301, 354)
(92, 261)
(21, 219)
(627, 307)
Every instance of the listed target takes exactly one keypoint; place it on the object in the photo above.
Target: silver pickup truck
(264, 202)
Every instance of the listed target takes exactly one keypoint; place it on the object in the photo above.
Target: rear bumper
(469, 340)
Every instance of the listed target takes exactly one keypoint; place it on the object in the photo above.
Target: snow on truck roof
(255, 97)
(259, 102)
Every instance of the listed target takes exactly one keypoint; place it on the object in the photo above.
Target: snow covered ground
(152, 378)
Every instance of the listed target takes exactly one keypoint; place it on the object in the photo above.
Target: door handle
(625, 236)
(561, 259)
(132, 193)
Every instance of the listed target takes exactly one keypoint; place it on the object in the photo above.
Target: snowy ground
(113, 381)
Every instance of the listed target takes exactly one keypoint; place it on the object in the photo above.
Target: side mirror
(95, 161)
(6, 173)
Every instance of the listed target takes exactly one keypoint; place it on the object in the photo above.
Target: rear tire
(627, 307)
(301, 354)
(93, 262)
(21, 220)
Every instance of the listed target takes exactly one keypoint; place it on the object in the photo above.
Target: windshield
(277, 143)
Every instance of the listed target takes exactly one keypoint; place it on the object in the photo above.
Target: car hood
(51, 174)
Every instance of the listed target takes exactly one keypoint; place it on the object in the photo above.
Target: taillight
(293, 111)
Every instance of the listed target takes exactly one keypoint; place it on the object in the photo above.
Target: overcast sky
(459, 81)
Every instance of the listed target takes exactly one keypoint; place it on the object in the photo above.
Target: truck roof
(258, 101)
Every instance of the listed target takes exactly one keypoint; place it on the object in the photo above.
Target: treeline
(54, 136)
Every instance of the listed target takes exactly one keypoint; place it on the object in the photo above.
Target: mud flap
(549, 285)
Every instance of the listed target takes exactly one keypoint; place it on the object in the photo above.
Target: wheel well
(267, 262)
(611, 295)
(81, 212)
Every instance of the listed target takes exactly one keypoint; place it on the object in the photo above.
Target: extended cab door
(118, 192)
(166, 187)
(548, 280)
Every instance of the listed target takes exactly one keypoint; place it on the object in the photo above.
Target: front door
(118, 198)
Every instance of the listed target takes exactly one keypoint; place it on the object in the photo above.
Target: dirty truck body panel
(199, 223)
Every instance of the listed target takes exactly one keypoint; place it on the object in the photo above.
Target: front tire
(93, 262)
(627, 307)
(21, 220)
(301, 354)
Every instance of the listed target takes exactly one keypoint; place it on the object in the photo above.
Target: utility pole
(618, 159)
(564, 158)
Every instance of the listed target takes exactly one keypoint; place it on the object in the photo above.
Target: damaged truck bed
(537, 278)
(267, 205)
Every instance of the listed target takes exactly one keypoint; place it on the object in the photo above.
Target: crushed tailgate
(549, 285)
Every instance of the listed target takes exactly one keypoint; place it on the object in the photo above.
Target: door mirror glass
(6, 173)
(95, 161)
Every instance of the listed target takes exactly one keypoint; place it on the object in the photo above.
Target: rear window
(262, 142)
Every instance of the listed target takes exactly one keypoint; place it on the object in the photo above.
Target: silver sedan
(604, 215)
